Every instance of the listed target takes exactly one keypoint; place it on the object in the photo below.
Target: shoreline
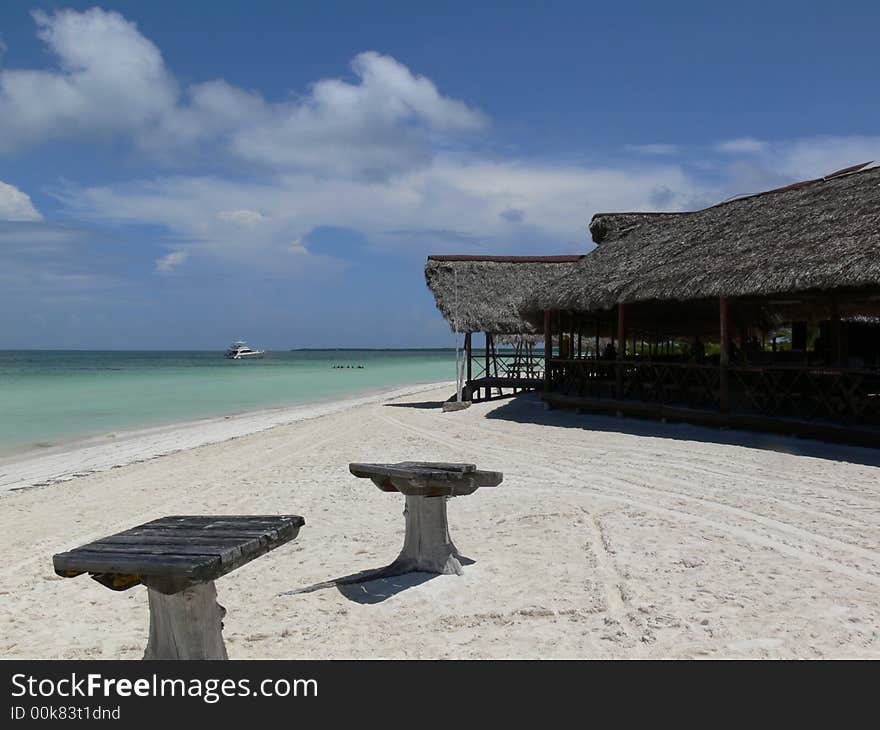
(80, 457)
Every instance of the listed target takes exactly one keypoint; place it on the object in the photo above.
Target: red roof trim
(566, 259)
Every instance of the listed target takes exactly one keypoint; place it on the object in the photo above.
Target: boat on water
(239, 350)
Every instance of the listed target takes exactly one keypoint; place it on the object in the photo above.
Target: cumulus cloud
(109, 80)
(474, 205)
(384, 124)
(742, 145)
(16, 205)
(383, 152)
(452, 204)
(170, 261)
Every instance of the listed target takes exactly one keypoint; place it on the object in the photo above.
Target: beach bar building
(483, 294)
(762, 312)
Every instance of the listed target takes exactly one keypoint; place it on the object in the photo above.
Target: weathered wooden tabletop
(181, 549)
(427, 478)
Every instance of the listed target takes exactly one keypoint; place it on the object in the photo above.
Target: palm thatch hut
(759, 311)
(484, 294)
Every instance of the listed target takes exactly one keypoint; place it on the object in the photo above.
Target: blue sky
(177, 175)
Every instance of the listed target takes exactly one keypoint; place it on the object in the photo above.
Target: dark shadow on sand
(374, 585)
(420, 404)
(528, 408)
(381, 589)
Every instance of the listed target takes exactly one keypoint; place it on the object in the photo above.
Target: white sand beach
(608, 538)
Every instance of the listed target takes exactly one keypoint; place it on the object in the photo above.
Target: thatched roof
(818, 235)
(491, 288)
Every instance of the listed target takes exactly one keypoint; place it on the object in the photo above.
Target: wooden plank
(425, 479)
(211, 521)
(422, 471)
(231, 555)
(451, 466)
(195, 547)
(171, 565)
(218, 542)
(184, 533)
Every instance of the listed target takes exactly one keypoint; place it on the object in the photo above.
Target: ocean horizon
(52, 397)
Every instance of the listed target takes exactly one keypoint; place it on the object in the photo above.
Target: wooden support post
(621, 339)
(548, 347)
(725, 355)
(468, 351)
(596, 354)
(186, 625)
(487, 392)
(836, 349)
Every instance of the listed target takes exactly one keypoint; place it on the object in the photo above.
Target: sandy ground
(608, 538)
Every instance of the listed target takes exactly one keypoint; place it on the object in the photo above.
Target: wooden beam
(548, 346)
(621, 339)
(725, 354)
(486, 360)
(836, 350)
(468, 349)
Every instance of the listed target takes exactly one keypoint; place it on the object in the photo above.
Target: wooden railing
(508, 365)
(840, 395)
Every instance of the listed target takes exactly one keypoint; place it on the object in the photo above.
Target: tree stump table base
(186, 625)
(427, 545)
(177, 559)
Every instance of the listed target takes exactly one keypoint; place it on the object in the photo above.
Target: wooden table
(178, 559)
(427, 485)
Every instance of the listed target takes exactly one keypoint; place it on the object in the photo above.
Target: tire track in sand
(676, 512)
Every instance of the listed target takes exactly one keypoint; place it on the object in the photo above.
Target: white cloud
(243, 218)
(371, 153)
(170, 261)
(109, 80)
(742, 145)
(383, 124)
(653, 149)
(449, 204)
(816, 156)
(298, 247)
(16, 205)
(772, 164)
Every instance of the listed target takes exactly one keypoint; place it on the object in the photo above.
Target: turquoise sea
(48, 397)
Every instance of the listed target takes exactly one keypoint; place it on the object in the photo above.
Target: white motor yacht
(239, 351)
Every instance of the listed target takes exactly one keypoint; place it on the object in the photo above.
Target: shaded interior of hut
(805, 357)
